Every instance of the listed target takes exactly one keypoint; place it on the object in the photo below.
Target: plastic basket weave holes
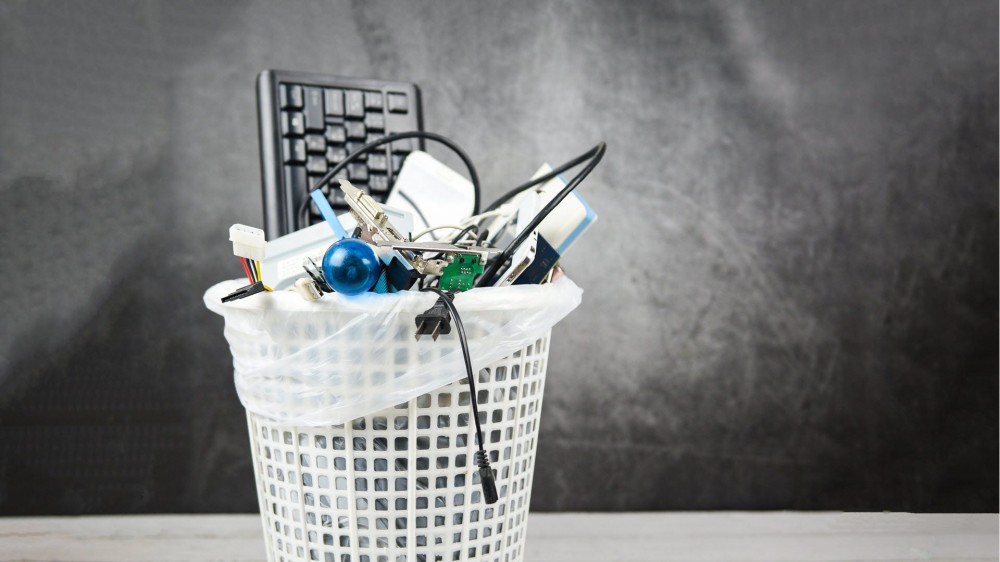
(400, 484)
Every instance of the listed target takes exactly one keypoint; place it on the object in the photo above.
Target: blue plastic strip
(327, 211)
(590, 217)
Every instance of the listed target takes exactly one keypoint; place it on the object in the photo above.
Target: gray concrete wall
(791, 293)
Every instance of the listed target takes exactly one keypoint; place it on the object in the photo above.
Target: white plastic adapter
(248, 242)
(307, 289)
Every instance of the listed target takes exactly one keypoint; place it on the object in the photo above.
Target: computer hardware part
(400, 274)
(439, 247)
(368, 212)
(522, 259)
(248, 242)
(402, 220)
(538, 270)
(307, 289)
(315, 272)
(309, 122)
(557, 232)
(286, 254)
(433, 191)
(568, 220)
(595, 155)
(244, 292)
(527, 208)
(387, 140)
(460, 274)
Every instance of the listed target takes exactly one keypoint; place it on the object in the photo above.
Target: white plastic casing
(443, 195)
(248, 242)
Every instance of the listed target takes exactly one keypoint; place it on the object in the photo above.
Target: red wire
(246, 269)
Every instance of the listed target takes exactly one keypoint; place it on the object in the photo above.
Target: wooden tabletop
(569, 537)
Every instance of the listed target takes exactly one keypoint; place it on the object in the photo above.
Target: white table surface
(569, 537)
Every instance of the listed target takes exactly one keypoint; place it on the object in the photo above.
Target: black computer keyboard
(310, 122)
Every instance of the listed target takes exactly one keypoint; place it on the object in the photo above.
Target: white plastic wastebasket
(392, 483)
(400, 484)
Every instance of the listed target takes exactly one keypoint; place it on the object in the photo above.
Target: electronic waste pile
(376, 248)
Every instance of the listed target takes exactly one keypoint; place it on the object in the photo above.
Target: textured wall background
(791, 292)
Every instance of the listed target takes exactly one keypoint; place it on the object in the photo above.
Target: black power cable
(473, 175)
(541, 179)
(486, 475)
(595, 155)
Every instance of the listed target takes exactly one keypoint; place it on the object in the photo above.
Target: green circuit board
(460, 274)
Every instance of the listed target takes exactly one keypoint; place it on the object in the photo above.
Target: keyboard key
(378, 183)
(295, 180)
(316, 165)
(355, 130)
(373, 137)
(313, 180)
(292, 124)
(291, 96)
(336, 134)
(357, 172)
(377, 162)
(334, 102)
(398, 103)
(375, 121)
(335, 154)
(404, 146)
(373, 100)
(397, 162)
(336, 198)
(352, 146)
(295, 150)
(315, 143)
(354, 104)
(314, 109)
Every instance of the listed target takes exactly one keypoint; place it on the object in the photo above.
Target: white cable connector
(248, 242)
(307, 289)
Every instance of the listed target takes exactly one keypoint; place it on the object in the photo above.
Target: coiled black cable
(595, 154)
(541, 179)
(473, 175)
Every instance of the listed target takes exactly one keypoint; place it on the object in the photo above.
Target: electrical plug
(248, 242)
(486, 477)
(435, 321)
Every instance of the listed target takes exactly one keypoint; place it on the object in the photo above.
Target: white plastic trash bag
(328, 362)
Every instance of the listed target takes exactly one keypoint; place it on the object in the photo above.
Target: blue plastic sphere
(350, 266)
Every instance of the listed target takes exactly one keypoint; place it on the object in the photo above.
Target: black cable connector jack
(244, 292)
(437, 320)
(486, 477)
